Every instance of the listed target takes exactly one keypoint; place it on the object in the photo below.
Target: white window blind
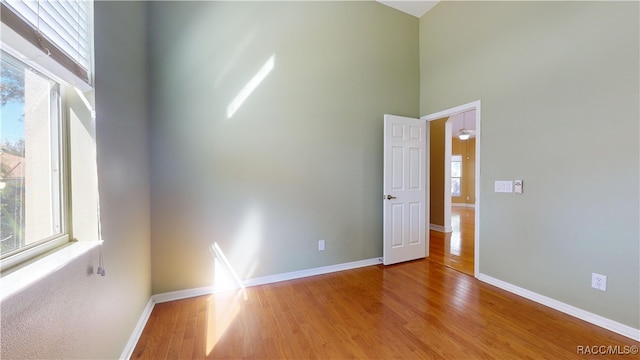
(60, 28)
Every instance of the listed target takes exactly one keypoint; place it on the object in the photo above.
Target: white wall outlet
(599, 282)
(517, 186)
(503, 186)
(320, 245)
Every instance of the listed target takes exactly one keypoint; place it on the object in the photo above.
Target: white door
(405, 195)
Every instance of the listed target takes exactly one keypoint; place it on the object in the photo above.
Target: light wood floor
(418, 309)
(455, 249)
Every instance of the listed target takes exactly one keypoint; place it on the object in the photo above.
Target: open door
(405, 195)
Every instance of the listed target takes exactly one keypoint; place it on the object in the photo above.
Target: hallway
(455, 249)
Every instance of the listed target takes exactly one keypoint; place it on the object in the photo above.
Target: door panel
(405, 196)
(397, 221)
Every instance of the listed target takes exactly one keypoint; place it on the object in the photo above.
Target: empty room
(319, 179)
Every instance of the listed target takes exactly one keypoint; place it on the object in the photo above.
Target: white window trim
(26, 52)
(48, 244)
(21, 34)
(26, 255)
(27, 275)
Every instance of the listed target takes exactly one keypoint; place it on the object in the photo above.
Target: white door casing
(477, 106)
(404, 183)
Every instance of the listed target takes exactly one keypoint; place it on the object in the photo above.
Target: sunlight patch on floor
(222, 309)
(231, 268)
(224, 306)
(455, 243)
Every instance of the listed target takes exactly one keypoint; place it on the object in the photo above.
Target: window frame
(456, 156)
(44, 246)
(24, 268)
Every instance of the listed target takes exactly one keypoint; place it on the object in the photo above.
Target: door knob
(389, 197)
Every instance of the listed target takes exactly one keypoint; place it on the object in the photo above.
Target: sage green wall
(301, 159)
(72, 314)
(559, 84)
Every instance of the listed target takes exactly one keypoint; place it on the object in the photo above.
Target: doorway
(460, 213)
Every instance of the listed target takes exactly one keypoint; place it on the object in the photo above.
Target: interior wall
(466, 148)
(559, 85)
(73, 313)
(436, 172)
(301, 158)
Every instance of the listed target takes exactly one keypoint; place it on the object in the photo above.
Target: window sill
(27, 275)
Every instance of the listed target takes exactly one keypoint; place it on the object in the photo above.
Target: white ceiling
(416, 8)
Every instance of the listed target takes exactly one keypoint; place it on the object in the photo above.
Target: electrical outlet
(320, 245)
(599, 282)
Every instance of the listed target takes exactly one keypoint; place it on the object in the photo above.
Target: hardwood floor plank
(455, 249)
(186, 348)
(175, 343)
(202, 329)
(152, 342)
(418, 309)
(146, 336)
(168, 329)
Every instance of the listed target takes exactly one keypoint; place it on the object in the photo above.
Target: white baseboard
(312, 272)
(440, 228)
(587, 316)
(473, 206)
(184, 294)
(137, 331)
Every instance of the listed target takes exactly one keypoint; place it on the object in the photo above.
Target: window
(32, 201)
(456, 175)
(59, 30)
(47, 128)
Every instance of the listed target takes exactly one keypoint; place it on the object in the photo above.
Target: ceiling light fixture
(464, 134)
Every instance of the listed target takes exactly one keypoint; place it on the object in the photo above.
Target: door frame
(474, 105)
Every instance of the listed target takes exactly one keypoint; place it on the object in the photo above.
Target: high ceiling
(416, 8)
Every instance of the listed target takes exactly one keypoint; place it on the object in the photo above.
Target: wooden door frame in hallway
(475, 105)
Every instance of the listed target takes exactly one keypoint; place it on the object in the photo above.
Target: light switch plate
(503, 186)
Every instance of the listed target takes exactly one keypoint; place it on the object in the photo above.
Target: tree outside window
(30, 176)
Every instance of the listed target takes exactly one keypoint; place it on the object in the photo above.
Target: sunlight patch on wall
(250, 86)
(231, 269)
(244, 250)
(225, 276)
(223, 306)
(239, 49)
